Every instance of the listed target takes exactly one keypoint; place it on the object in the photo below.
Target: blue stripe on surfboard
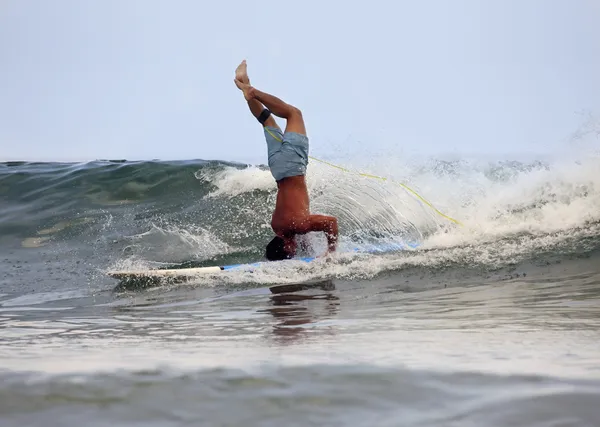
(388, 247)
(258, 264)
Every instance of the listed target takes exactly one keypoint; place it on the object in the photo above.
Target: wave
(155, 213)
(300, 395)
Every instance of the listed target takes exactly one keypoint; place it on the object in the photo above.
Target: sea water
(493, 323)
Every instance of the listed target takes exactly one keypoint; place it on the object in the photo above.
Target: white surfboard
(150, 276)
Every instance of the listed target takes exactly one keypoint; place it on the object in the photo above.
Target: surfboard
(154, 276)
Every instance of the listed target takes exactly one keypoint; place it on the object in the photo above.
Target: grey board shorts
(288, 153)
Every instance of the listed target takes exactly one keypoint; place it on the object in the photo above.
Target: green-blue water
(495, 323)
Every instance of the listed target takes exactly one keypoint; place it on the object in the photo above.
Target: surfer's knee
(291, 112)
(295, 121)
(295, 112)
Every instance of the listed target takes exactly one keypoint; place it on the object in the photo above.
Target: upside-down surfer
(288, 157)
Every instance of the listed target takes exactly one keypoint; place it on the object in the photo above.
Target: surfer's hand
(327, 224)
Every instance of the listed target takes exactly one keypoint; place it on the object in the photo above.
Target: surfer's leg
(255, 106)
(293, 115)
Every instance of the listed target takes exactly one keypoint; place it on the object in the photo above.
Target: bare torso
(292, 209)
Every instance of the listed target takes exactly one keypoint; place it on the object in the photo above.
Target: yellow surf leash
(381, 178)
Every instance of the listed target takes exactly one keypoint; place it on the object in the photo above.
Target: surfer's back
(292, 205)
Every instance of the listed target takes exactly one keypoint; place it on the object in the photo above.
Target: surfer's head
(279, 249)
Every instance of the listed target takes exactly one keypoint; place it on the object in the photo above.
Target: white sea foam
(492, 200)
(565, 196)
(233, 181)
(172, 242)
(510, 210)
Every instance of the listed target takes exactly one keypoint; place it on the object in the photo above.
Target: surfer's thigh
(292, 157)
(274, 138)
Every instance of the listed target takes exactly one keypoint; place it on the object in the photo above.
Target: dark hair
(275, 250)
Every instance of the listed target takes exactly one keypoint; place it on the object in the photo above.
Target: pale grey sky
(143, 79)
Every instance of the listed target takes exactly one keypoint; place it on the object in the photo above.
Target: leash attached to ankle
(262, 118)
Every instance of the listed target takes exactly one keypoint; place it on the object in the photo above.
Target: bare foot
(246, 88)
(241, 73)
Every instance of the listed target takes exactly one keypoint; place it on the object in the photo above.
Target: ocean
(492, 323)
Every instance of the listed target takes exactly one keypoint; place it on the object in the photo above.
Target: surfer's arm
(328, 225)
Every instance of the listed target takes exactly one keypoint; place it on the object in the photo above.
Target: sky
(146, 79)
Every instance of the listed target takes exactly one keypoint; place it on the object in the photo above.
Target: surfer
(288, 157)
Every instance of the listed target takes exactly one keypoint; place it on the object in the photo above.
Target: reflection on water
(548, 327)
(292, 317)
